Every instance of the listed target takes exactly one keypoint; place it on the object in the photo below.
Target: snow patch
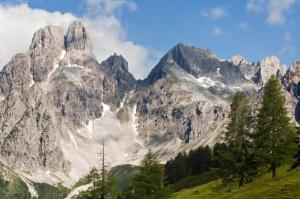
(62, 55)
(73, 140)
(134, 125)
(206, 82)
(218, 72)
(236, 88)
(31, 81)
(90, 128)
(73, 66)
(122, 103)
(105, 108)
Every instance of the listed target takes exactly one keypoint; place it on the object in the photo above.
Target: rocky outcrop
(249, 70)
(46, 48)
(77, 37)
(116, 68)
(270, 66)
(30, 132)
(200, 63)
(57, 84)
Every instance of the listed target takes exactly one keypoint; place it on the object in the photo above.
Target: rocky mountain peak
(293, 74)
(116, 62)
(270, 61)
(48, 37)
(270, 66)
(77, 37)
(185, 51)
(198, 63)
(295, 67)
(238, 59)
(116, 67)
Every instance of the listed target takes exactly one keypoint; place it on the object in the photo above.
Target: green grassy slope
(286, 186)
(11, 185)
(46, 191)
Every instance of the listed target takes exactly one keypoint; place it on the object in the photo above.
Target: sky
(144, 30)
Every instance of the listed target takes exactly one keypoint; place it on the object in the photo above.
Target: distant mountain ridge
(58, 102)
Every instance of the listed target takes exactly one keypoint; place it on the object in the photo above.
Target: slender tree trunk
(241, 180)
(273, 170)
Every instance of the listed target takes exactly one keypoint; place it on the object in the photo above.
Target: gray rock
(77, 37)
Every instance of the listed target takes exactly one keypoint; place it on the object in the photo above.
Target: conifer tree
(274, 134)
(297, 154)
(238, 139)
(148, 183)
(176, 169)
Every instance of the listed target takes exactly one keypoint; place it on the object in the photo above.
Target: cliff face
(58, 103)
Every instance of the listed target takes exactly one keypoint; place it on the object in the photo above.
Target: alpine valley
(58, 103)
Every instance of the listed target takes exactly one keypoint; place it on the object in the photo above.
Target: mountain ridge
(58, 102)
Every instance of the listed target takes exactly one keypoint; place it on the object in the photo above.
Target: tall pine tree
(148, 183)
(238, 139)
(274, 134)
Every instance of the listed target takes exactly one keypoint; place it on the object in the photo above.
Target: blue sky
(252, 28)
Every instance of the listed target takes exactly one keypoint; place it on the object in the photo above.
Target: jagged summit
(238, 60)
(269, 66)
(77, 37)
(117, 67)
(116, 63)
(198, 63)
(48, 37)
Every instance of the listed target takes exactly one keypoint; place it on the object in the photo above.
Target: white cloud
(19, 22)
(276, 9)
(214, 13)
(109, 6)
(243, 25)
(217, 31)
(288, 47)
(256, 5)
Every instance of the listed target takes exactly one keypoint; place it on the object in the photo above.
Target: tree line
(252, 142)
(266, 140)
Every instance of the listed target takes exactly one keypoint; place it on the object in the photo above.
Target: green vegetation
(46, 191)
(124, 175)
(104, 185)
(274, 134)
(192, 181)
(148, 182)
(11, 185)
(286, 185)
(236, 160)
(191, 164)
(253, 146)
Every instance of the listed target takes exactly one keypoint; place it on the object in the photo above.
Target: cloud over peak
(107, 33)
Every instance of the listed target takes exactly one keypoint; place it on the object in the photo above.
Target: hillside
(286, 186)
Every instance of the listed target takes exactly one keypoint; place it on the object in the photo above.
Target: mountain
(58, 104)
